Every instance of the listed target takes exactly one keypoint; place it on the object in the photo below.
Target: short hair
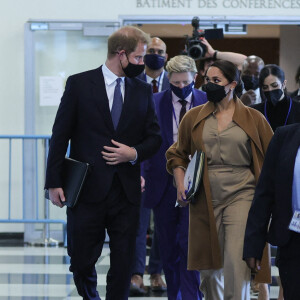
(126, 38)
(252, 59)
(180, 64)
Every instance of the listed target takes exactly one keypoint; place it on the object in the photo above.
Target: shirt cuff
(181, 167)
(133, 162)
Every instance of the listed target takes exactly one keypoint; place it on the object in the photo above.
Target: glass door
(58, 50)
(54, 50)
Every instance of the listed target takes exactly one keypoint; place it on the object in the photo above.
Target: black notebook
(73, 176)
(193, 175)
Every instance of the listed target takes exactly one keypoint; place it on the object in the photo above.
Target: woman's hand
(181, 197)
(179, 179)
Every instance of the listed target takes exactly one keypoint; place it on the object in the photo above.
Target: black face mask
(274, 96)
(214, 92)
(132, 70)
(250, 82)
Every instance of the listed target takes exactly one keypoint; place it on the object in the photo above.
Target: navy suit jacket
(273, 195)
(84, 118)
(165, 81)
(155, 173)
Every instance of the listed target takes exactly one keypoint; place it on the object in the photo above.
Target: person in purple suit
(160, 193)
(154, 74)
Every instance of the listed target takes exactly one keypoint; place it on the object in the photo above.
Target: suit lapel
(165, 82)
(166, 115)
(142, 76)
(195, 100)
(291, 146)
(207, 109)
(243, 118)
(100, 96)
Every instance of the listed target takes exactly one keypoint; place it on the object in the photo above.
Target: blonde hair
(180, 64)
(126, 38)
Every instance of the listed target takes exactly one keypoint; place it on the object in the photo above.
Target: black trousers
(86, 224)
(289, 268)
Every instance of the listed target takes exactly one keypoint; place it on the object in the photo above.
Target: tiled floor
(37, 273)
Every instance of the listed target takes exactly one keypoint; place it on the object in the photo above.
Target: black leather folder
(73, 176)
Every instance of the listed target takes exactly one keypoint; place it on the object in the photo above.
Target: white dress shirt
(177, 107)
(159, 80)
(110, 80)
(110, 84)
(296, 183)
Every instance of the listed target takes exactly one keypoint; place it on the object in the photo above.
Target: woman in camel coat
(234, 139)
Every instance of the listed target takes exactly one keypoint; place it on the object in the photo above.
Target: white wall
(15, 13)
(290, 53)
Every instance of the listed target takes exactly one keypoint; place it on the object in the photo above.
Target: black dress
(286, 111)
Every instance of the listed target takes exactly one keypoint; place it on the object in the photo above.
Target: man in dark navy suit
(276, 199)
(155, 59)
(154, 74)
(160, 193)
(109, 117)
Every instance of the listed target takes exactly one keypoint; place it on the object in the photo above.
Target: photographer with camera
(198, 48)
(211, 55)
(236, 58)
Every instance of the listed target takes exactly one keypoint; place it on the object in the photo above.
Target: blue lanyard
(290, 107)
(158, 82)
(174, 115)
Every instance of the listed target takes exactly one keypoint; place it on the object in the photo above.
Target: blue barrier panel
(45, 219)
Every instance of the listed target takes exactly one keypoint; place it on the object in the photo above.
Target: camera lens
(195, 51)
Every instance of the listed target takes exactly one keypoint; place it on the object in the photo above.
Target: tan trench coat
(204, 250)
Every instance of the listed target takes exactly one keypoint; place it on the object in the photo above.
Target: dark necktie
(117, 104)
(154, 86)
(183, 109)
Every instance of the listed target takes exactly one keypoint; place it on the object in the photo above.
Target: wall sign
(224, 6)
